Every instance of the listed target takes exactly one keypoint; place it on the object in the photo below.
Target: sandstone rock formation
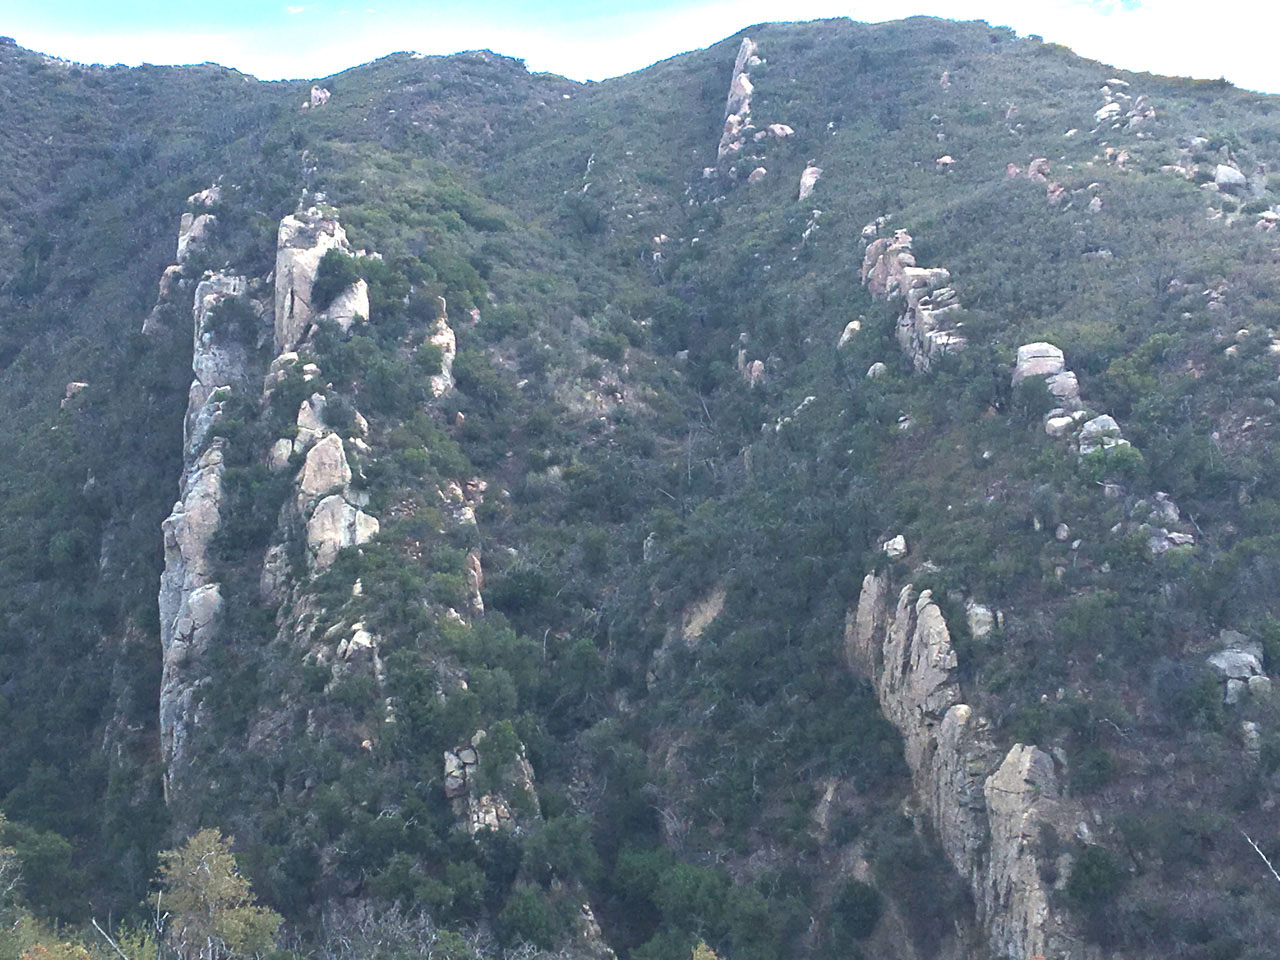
(985, 807)
(889, 272)
(303, 240)
(189, 603)
(808, 180)
(487, 810)
(333, 525)
(193, 233)
(737, 108)
(442, 337)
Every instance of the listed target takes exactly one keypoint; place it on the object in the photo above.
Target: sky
(594, 40)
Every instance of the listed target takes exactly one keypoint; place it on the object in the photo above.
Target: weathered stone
(303, 240)
(1108, 112)
(348, 307)
(1259, 686)
(1059, 426)
(193, 232)
(981, 620)
(808, 180)
(851, 330)
(1229, 177)
(1238, 662)
(325, 470)
(876, 370)
(278, 456)
(1038, 360)
(895, 548)
(336, 524)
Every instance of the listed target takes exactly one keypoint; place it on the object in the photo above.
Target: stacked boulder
(926, 328)
(740, 131)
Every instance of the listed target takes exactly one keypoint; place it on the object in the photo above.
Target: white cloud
(294, 11)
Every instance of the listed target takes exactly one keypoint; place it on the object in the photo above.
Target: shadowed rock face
(303, 240)
(986, 810)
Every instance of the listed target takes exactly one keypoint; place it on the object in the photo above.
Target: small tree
(212, 914)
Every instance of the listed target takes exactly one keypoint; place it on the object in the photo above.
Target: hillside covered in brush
(815, 496)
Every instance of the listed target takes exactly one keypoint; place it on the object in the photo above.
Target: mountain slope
(527, 564)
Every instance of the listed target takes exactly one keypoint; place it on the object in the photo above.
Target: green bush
(855, 911)
(1096, 878)
(336, 272)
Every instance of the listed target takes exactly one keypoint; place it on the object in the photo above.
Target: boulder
(325, 470)
(896, 548)
(808, 180)
(757, 175)
(1038, 360)
(876, 370)
(850, 331)
(278, 457)
(981, 620)
(336, 524)
(348, 307)
(1100, 433)
(1108, 112)
(1238, 663)
(1228, 177)
(1059, 426)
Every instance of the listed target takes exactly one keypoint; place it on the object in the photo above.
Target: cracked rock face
(326, 469)
(189, 603)
(986, 809)
(336, 524)
(303, 240)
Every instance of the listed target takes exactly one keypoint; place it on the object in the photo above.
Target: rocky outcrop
(1239, 665)
(334, 525)
(926, 327)
(189, 603)
(737, 107)
(740, 138)
(443, 338)
(193, 232)
(190, 599)
(481, 803)
(301, 243)
(809, 178)
(985, 807)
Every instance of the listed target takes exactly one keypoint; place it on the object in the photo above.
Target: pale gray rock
(334, 525)
(895, 548)
(1239, 663)
(1100, 433)
(279, 454)
(194, 231)
(851, 330)
(1228, 177)
(876, 370)
(325, 471)
(349, 307)
(981, 619)
(188, 603)
(1038, 360)
(301, 243)
(808, 180)
(986, 809)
